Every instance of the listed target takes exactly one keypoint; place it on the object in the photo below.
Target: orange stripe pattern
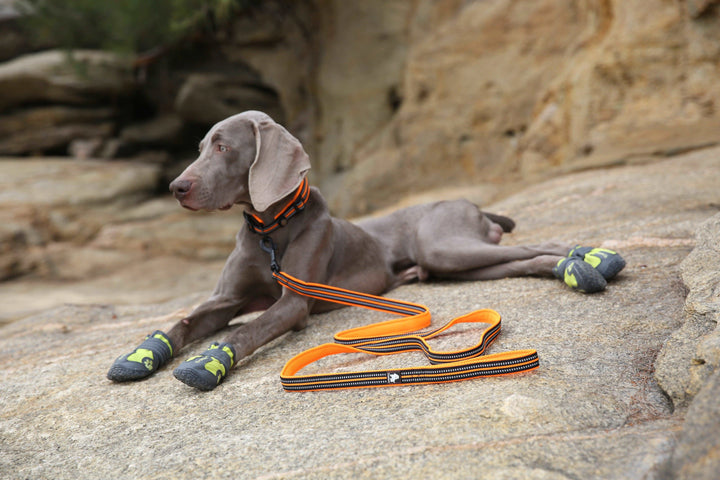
(296, 205)
(396, 336)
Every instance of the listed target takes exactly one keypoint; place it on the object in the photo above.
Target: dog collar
(294, 206)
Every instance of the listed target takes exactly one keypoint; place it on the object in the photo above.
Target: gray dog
(250, 160)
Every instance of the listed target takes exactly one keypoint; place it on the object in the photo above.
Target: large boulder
(39, 129)
(364, 46)
(207, 98)
(692, 354)
(50, 99)
(58, 200)
(697, 455)
(80, 77)
(279, 41)
(492, 91)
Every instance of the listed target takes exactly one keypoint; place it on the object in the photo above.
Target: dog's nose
(180, 188)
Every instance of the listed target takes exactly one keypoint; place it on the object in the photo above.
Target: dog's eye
(222, 148)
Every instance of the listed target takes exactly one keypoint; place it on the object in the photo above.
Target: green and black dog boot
(608, 262)
(150, 355)
(579, 275)
(207, 370)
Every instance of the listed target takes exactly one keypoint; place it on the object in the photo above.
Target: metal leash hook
(267, 245)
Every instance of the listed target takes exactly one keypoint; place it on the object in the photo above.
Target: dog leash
(389, 337)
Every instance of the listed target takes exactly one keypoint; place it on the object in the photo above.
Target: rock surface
(50, 99)
(592, 410)
(687, 368)
(498, 89)
(50, 77)
(390, 96)
(56, 201)
(207, 98)
(63, 220)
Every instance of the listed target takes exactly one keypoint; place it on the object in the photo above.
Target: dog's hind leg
(459, 254)
(541, 265)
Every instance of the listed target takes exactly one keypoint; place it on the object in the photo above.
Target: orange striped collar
(293, 207)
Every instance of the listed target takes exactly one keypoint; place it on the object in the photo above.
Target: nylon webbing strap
(396, 336)
(295, 206)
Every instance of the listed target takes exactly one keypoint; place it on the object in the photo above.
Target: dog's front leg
(288, 313)
(208, 317)
(234, 294)
(159, 347)
(207, 370)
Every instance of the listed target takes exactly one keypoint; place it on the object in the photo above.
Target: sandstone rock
(39, 118)
(692, 353)
(50, 200)
(37, 141)
(52, 127)
(163, 130)
(492, 91)
(279, 41)
(468, 93)
(592, 410)
(55, 182)
(436, 93)
(149, 140)
(207, 98)
(364, 48)
(645, 86)
(687, 367)
(697, 8)
(86, 148)
(17, 235)
(119, 277)
(697, 455)
(204, 236)
(86, 77)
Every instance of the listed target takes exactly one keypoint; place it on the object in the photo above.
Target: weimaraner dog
(251, 161)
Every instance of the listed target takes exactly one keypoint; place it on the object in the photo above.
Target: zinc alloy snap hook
(268, 245)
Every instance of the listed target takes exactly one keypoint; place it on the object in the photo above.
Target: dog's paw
(142, 362)
(207, 370)
(579, 275)
(608, 262)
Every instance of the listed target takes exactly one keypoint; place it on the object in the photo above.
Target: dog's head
(247, 159)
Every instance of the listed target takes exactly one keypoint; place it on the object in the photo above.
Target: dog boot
(607, 262)
(579, 275)
(207, 370)
(153, 353)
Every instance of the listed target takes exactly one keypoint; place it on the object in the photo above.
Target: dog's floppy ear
(279, 167)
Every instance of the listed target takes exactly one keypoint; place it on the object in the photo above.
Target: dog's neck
(267, 222)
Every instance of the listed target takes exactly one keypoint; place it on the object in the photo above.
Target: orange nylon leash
(403, 334)
(395, 336)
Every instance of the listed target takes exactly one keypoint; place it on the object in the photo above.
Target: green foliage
(127, 26)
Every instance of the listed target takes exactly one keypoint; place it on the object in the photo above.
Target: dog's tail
(506, 223)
